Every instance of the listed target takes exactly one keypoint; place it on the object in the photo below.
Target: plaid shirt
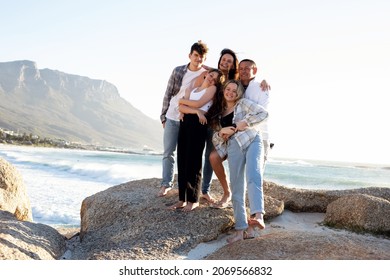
(173, 87)
(248, 111)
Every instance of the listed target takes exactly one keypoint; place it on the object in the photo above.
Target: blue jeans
(207, 169)
(171, 134)
(248, 162)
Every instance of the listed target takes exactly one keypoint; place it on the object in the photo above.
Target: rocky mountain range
(53, 104)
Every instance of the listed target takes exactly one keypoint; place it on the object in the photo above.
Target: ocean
(57, 180)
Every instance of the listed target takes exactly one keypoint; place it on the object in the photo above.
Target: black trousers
(191, 142)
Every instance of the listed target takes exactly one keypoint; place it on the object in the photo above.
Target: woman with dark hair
(228, 64)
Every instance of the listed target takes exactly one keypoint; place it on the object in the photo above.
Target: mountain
(53, 104)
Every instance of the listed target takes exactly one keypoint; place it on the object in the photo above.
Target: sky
(328, 62)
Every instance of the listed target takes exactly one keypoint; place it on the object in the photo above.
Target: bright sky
(328, 62)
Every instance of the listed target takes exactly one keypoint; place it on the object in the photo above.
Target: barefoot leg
(217, 164)
(163, 191)
(177, 205)
(208, 197)
(237, 236)
(257, 221)
(190, 206)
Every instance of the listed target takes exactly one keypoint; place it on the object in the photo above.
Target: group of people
(224, 110)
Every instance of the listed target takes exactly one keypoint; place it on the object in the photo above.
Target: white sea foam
(58, 180)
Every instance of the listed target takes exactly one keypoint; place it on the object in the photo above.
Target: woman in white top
(192, 137)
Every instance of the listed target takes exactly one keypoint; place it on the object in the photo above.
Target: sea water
(58, 180)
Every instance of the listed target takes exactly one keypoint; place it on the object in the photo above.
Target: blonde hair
(240, 88)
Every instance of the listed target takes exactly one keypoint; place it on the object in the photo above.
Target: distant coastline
(13, 138)
(86, 147)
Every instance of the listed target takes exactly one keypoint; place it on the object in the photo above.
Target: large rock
(302, 245)
(129, 221)
(303, 200)
(28, 241)
(13, 196)
(360, 212)
(303, 236)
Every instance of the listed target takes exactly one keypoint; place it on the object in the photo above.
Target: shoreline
(88, 147)
(325, 162)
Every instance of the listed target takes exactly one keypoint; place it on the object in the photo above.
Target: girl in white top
(192, 137)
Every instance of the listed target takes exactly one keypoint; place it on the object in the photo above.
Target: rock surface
(21, 240)
(360, 212)
(301, 200)
(303, 236)
(13, 195)
(135, 224)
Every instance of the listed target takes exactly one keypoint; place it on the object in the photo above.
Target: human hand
(202, 118)
(227, 132)
(264, 85)
(240, 126)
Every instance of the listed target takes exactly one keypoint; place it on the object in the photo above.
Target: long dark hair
(214, 113)
(233, 72)
(220, 78)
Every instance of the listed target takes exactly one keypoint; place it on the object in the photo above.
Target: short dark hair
(200, 47)
(250, 61)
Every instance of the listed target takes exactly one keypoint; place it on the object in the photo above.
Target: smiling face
(196, 60)
(226, 63)
(230, 92)
(212, 77)
(247, 71)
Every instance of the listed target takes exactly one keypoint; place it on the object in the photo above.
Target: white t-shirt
(173, 109)
(256, 94)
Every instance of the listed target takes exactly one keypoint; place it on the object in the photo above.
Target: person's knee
(214, 157)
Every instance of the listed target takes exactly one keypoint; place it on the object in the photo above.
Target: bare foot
(249, 233)
(208, 197)
(257, 221)
(225, 198)
(223, 203)
(190, 206)
(177, 205)
(163, 191)
(237, 236)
